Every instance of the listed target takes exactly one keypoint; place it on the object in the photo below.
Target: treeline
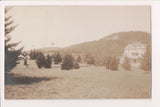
(67, 61)
(35, 53)
(71, 61)
(112, 62)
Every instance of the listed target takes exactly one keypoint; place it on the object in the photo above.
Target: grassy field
(85, 83)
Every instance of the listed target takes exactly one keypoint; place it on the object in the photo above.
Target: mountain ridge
(110, 45)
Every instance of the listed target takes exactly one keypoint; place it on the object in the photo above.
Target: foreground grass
(84, 83)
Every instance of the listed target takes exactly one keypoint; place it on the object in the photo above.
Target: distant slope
(143, 37)
(111, 45)
(49, 49)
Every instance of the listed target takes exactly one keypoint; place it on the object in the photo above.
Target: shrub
(126, 64)
(67, 62)
(76, 65)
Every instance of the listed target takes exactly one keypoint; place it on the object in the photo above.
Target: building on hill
(134, 51)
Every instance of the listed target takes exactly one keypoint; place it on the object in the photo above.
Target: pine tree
(111, 63)
(40, 61)
(43, 61)
(67, 62)
(11, 53)
(126, 64)
(146, 60)
(31, 54)
(34, 53)
(89, 59)
(76, 65)
(107, 62)
(57, 59)
(79, 59)
(48, 62)
(114, 63)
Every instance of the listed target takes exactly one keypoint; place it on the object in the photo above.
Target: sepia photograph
(77, 52)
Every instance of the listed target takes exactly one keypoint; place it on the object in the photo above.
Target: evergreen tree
(31, 54)
(79, 59)
(48, 62)
(107, 62)
(126, 64)
(57, 59)
(40, 61)
(111, 63)
(89, 59)
(34, 54)
(146, 60)
(76, 65)
(67, 62)
(11, 53)
(114, 63)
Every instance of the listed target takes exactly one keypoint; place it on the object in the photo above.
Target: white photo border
(155, 34)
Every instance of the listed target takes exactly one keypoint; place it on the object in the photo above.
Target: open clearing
(84, 83)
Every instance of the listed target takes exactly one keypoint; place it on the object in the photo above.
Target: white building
(134, 52)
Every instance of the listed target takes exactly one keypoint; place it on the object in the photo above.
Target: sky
(62, 26)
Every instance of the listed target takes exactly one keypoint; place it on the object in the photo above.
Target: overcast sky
(60, 26)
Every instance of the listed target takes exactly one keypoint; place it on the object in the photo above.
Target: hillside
(111, 45)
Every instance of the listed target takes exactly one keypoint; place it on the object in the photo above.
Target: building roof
(135, 45)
